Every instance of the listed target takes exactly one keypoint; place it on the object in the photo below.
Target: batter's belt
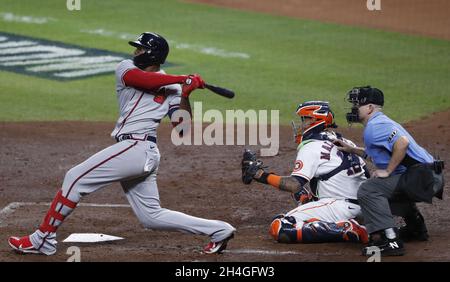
(138, 137)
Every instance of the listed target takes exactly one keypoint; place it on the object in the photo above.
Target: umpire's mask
(360, 96)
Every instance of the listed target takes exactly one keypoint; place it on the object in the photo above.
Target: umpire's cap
(364, 95)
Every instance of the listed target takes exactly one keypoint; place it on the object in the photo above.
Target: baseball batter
(326, 209)
(146, 94)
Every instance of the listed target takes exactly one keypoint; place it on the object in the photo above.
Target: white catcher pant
(135, 165)
(325, 209)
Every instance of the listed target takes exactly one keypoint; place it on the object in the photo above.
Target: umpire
(405, 174)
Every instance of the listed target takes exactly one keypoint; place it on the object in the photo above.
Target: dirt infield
(421, 17)
(199, 180)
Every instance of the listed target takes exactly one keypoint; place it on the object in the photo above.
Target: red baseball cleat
(217, 247)
(23, 245)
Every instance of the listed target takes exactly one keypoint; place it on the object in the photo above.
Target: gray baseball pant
(134, 164)
(373, 197)
(379, 201)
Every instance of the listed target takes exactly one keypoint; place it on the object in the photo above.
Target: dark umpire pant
(380, 199)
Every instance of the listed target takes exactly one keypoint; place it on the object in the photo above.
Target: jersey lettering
(328, 147)
(356, 168)
(325, 156)
(320, 157)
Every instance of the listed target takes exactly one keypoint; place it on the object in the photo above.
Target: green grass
(291, 60)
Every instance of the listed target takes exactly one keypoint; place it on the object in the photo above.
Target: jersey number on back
(356, 168)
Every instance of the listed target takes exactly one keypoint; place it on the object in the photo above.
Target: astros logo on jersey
(298, 165)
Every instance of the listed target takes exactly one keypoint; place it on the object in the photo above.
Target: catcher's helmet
(322, 118)
(156, 50)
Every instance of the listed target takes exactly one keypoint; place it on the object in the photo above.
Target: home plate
(90, 238)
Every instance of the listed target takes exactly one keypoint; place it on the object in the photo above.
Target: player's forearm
(343, 146)
(398, 153)
(359, 151)
(186, 105)
(284, 183)
(289, 184)
(150, 80)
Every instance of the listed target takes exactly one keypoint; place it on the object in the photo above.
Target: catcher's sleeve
(290, 183)
(271, 179)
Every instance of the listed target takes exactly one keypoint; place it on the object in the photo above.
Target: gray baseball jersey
(140, 111)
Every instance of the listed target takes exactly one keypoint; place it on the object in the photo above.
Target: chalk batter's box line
(12, 207)
(261, 252)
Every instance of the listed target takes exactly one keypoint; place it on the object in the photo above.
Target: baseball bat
(220, 91)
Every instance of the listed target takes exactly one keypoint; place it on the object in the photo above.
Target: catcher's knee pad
(284, 230)
(280, 215)
(342, 231)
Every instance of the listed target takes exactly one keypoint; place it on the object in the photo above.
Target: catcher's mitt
(250, 165)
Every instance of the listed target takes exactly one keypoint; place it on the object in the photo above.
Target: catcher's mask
(315, 117)
(156, 50)
(360, 96)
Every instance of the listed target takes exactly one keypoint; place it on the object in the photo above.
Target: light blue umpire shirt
(380, 135)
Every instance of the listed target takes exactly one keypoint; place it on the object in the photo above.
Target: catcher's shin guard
(342, 231)
(284, 230)
(60, 208)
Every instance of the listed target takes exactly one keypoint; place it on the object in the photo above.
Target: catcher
(327, 207)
